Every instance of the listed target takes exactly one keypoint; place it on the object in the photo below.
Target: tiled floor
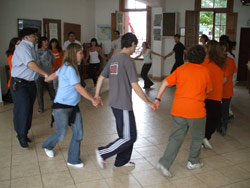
(227, 165)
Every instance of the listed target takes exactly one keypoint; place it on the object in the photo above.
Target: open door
(191, 28)
(52, 29)
(231, 27)
(69, 27)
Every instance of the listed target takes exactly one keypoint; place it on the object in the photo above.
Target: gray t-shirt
(121, 72)
(45, 58)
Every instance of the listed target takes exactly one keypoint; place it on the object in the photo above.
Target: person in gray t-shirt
(46, 61)
(122, 78)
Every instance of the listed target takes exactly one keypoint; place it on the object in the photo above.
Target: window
(137, 19)
(213, 17)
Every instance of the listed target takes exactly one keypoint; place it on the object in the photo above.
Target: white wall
(103, 9)
(74, 11)
(180, 7)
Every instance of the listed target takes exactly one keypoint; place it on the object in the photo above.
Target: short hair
(94, 40)
(12, 45)
(205, 37)
(224, 38)
(128, 39)
(40, 42)
(146, 44)
(71, 32)
(177, 35)
(58, 47)
(116, 31)
(196, 54)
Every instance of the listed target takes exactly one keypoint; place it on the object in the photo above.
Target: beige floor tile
(189, 182)
(5, 184)
(58, 179)
(235, 173)
(48, 167)
(111, 171)
(31, 169)
(239, 156)
(68, 186)
(85, 174)
(93, 184)
(5, 173)
(149, 177)
(245, 166)
(127, 181)
(27, 182)
(241, 184)
(213, 179)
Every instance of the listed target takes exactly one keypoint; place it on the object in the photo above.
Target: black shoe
(23, 142)
(27, 139)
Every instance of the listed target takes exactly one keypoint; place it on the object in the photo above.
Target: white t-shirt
(147, 56)
(66, 43)
(116, 45)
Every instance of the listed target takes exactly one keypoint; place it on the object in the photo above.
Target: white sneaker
(164, 171)
(207, 144)
(191, 166)
(128, 164)
(80, 165)
(100, 160)
(49, 153)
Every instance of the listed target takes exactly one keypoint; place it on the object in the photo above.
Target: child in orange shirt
(227, 91)
(215, 62)
(188, 110)
(58, 53)
(12, 46)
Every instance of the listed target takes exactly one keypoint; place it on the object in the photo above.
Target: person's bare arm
(83, 92)
(98, 88)
(154, 53)
(138, 56)
(101, 54)
(142, 95)
(164, 85)
(111, 53)
(51, 77)
(171, 53)
(33, 66)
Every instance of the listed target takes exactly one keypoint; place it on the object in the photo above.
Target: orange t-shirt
(228, 86)
(58, 59)
(193, 83)
(10, 65)
(217, 77)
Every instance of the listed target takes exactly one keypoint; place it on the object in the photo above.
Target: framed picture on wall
(24, 23)
(182, 31)
(157, 34)
(157, 20)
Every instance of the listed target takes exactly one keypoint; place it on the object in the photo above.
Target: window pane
(139, 5)
(207, 3)
(206, 23)
(223, 18)
(217, 31)
(223, 30)
(133, 4)
(217, 19)
(220, 4)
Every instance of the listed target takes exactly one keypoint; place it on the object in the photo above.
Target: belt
(20, 80)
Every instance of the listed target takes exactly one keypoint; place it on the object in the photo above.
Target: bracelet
(157, 99)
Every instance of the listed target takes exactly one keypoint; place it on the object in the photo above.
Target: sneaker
(207, 144)
(49, 153)
(80, 165)
(130, 164)
(22, 141)
(164, 171)
(191, 166)
(100, 160)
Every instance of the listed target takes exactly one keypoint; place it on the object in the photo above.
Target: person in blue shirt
(65, 107)
(23, 88)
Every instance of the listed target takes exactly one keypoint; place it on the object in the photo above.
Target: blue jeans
(61, 117)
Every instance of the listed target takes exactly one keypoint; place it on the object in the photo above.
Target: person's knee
(61, 136)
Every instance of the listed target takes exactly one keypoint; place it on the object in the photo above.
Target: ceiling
(154, 3)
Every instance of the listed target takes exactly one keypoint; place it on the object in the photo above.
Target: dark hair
(58, 47)
(205, 37)
(128, 39)
(71, 32)
(215, 53)
(40, 42)
(224, 45)
(231, 45)
(224, 38)
(196, 54)
(116, 31)
(12, 45)
(94, 40)
(177, 35)
(146, 44)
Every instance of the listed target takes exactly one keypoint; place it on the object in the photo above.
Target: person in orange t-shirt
(12, 46)
(188, 110)
(215, 62)
(227, 91)
(58, 53)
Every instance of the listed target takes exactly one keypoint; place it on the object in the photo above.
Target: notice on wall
(53, 33)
